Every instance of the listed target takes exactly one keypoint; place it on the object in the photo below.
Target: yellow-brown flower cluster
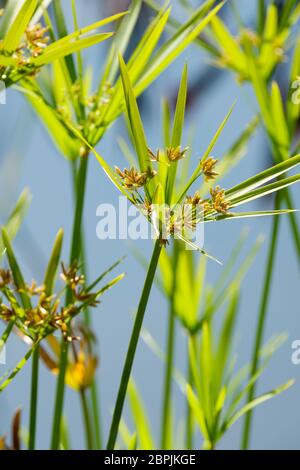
(36, 39)
(218, 200)
(208, 168)
(175, 154)
(133, 179)
(44, 315)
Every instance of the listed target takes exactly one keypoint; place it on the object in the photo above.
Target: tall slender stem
(94, 387)
(5, 336)
(132, 346)
(189, 417)
(34, 398)
(167, 393)
(96, 414)
(74, 256)
(87, 421)
(261, 325)
(293, 222)
(261, 16)
(87, 318)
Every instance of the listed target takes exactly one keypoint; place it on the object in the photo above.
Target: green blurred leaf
(197, 411)
(228, 44)
(58, 50)
(176, 44)
(16, 30)
(257, 401)
(53, 264)
(142, 426)
(121, 40)
(16, 218)
(63, 139)
(134, 118)
(177, 132)
(16, 271)
(6, 381)
(280, 121)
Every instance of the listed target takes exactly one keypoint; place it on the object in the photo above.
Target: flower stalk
(167, 391)
(133, 346)
(34, 398)
(260, 328)
(74, 256)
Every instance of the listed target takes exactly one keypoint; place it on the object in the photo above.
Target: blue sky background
(28, 158)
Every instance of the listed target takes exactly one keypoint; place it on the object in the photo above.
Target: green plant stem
(189, 417)
(132, 346)
(87, 421)
(5, 336)
(87, 318)
(74, 256)
(96, 414)
(59, 399)
(167, 393)
(261, 325)
(34, 398)
(94, 387)
(293, 222)
(261, 16)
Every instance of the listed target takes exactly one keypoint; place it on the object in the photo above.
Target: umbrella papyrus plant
(150, 186)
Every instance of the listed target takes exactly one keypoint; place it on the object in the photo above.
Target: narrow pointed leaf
(53, 264)
(262, 178)
(175, 46)
(264, 191)
(245, 215)
(18, 368)
(121, 40)
(141, 420)
(177, 131)
(134, 118)
(15, 269)
(65, 49)
(206, 154)
(16, 218)
(257, 401)
(197, 411)
(14, 35)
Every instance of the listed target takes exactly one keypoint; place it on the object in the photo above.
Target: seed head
(194, 200)
(36, 39)
(154, 157)
(218, 200)
(133, 179)
(175, 154)
(5, 278)
(71, 277)
(207, 167)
